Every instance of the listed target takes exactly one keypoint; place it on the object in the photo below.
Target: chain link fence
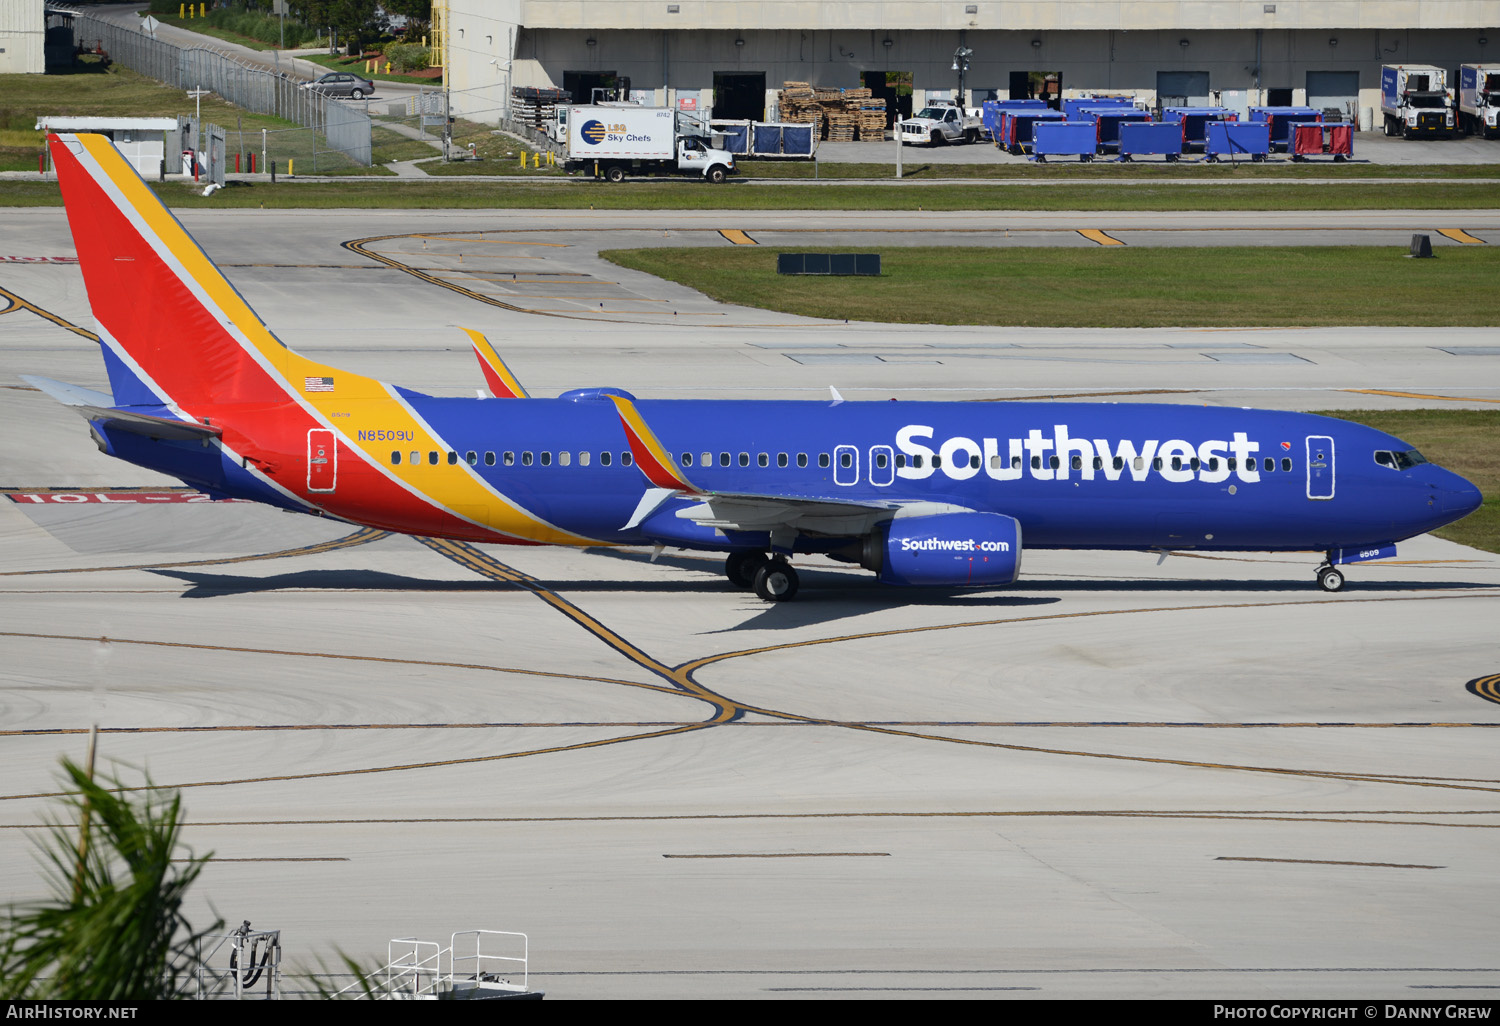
(335, 135)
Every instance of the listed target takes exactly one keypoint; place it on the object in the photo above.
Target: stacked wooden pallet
(845, 114)
(532, 106)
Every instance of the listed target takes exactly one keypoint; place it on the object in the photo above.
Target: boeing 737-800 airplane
(920, 493)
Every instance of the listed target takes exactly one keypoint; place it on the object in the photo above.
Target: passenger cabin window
(546, 459)
(583, 458)
(723, 459)
(781, 459)
(489, 459)
(744, 459)
(525, 459)
(564, 459)
(802, 459)
(1286, 464)
(625, 459)
(396, 459)
(452, 459)
(706, 459)
(509, 459)
(823, 460)
(604, 459)
(764, 459)
(472, 458)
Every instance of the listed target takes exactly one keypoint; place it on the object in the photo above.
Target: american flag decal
(317, 384)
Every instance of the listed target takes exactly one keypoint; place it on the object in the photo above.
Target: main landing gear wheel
(1330, 579)
(740, 568)
(776, 581)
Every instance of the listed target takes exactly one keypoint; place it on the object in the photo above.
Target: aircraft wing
(825, 516)
(101, 406)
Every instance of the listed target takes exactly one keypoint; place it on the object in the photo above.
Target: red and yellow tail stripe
(172, 316)
(650, 455)
(503, 384)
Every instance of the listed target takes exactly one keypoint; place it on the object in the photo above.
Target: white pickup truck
(941, 123)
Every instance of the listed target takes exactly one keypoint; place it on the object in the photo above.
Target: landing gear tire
(740, 568)
(1330, 579)
(776, 581)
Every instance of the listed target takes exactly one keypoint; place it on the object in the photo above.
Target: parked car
(341, 83)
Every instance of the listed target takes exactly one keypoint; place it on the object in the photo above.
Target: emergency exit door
(1319, 467)
(322, 460)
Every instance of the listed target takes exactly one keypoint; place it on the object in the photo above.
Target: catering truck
(1414, 101)
(1479, 100)
(612, 141)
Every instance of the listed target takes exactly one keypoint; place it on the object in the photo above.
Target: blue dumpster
(1063, 138)
(1237, 140)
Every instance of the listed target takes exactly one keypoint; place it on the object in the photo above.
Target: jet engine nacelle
(953, 549)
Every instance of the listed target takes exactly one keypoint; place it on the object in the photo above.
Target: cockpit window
(1399, 460)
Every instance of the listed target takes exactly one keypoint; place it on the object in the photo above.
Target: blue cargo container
(1017, 126)
(1195, 121)
(1281, 120)
(991, 111)
(1063, 138)
(1140, 138)
(1237, 139)
(1108, 121)
(798, 140)
(736, 136)
(765, 139)
(1071, 107)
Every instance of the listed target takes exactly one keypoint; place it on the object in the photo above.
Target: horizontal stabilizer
(101, 406)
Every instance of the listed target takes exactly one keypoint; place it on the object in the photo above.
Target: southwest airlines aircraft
(920, 493)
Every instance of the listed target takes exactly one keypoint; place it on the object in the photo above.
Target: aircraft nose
(1461, 497)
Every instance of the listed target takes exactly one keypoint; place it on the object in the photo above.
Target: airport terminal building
(728, 58)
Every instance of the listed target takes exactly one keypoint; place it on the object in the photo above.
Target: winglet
(503, 384)
(650, 455)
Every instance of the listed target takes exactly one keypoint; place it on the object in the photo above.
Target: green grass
(1113, 287)
(685, 195)
(357, 66)
(1464, 441)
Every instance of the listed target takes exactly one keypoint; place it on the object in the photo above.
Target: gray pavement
(1198, 778)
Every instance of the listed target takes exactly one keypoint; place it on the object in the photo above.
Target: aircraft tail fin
(172, 326)
(503, 384)
(650, 455)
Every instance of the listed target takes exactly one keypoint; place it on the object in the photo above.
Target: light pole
(961, 65)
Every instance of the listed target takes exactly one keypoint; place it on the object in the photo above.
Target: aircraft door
(845, 465)
(882, 466)
(1319, 467)
(322, 460)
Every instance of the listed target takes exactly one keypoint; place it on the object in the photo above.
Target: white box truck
(1479, 99)
(614, 141)
(1414, 101)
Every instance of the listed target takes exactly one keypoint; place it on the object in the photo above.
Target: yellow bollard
(523, 162)
(203, 10)
(289, 171)
(182, 10)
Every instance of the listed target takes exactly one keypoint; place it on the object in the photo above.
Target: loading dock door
(739, 96)
(1334, 90)
(1182, 88)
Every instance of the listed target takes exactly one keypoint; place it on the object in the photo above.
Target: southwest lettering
(1212, 461)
